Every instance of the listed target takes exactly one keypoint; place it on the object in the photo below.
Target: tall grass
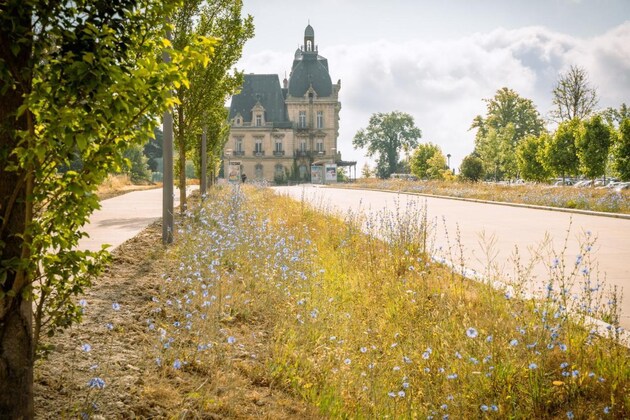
(358, 318)
(593, 199)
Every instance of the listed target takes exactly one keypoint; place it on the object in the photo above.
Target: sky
(438, 60)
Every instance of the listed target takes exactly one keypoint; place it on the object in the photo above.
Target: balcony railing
(239, 153)
(259, 153)
(278, 152)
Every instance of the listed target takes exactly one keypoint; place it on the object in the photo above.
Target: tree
(202, 100)
(420, 158)
(385, 136)
(573, 97)
(592, 145)
(621, 150)
(614, 116)
(78, 79)
(509, 118)
(437, 166)
(471, 168)
(366, 172)
(560, 153)
(530, 157)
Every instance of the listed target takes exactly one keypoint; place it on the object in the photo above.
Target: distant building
(276, 132)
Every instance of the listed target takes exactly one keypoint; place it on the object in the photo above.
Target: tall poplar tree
(202, 101)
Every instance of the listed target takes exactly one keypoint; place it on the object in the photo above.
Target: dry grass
(594, 199)
(266, 308)
(116, 185)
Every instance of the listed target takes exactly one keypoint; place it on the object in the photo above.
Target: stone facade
(278, 132)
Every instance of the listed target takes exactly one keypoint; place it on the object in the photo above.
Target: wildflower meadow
(358, 318)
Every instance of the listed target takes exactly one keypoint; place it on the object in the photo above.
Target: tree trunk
(16, 345)
(182, 161)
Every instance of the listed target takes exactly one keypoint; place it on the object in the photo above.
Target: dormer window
(258, 120)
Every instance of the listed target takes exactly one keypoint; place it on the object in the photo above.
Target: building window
(279, 171)
(320, 146)
(238, 144)
(278, 145)
(258, 120)
(258, 146)
(303, 145)
(320, 119)
(303, 171)
(259, 171)
(302, 120)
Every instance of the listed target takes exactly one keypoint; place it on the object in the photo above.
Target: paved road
(509, 227)
(123, 217)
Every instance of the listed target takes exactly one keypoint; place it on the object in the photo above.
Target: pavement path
(505, 227)
(123, 217)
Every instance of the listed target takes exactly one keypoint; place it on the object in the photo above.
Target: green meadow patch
(356, 318)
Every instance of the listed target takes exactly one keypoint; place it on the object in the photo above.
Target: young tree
(573, 97)
(78, 78)
(560, 152)
(385, 136)
(530, 158)
(420, 159)
(621, 150)
(509, 118)
(592, 145)
(471, 168)
(202, 100)
(437, 166)
(366, 172)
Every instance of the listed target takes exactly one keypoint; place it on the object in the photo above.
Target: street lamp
(448, 156)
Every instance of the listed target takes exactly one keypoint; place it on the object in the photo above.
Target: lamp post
(448, 157)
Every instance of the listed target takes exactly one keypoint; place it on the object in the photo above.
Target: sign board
(317, 174)
(234, 172)
(331, 173)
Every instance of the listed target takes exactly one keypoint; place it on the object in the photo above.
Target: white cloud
(442, 83)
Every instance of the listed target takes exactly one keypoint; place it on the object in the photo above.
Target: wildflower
(116, 306)
(405, 385)
(533, 366)
(158, 361)
(426, 355)
(578, 260)
(177, 364)
(450, 397)
(86, 347)
(563, 347)
(489, 339)
(363, 349)
(564, 365)
(97, 383)
(472, 333)
(514, 343)
(391, 394)
(458, 355)
(606, 410)
(231, 340)
(406, 359)
(585, 271)
(570, 415)
(347, 361)
(575, 373)
(484, 407)
(452, 376)
(401, 394)
(494, 407)
(396, 368)
(83, 303)
(555, 263)
(444, 406)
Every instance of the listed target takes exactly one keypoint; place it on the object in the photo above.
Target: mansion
(278, 132)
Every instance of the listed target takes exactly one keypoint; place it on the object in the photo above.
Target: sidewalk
(123, 217)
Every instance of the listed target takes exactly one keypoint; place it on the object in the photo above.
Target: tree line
(512, 140)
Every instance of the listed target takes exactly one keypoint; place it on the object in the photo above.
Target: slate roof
(263, 88)
(310, 68)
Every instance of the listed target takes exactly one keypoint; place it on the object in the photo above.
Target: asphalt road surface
(490, 234)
